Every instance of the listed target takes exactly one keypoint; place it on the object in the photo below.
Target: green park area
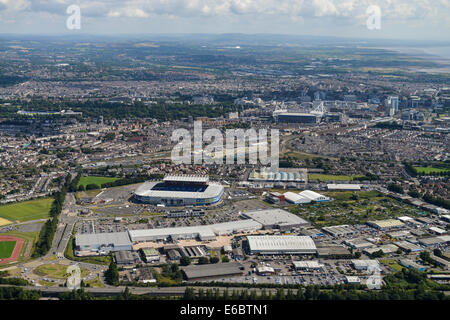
(6, 249)
(329, 177)
(56, 271)
(353, 208)
(84, 181)
(428, 170)
(27, 210)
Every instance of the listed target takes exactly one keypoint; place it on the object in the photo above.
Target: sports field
(428, 170)
(27, 210)
(4, 222)
(84, 181)
(6, 248)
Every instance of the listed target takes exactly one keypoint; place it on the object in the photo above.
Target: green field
(428, 170)
(353, 208)
(84, 181)
(27, 210)
(329, 177)
(56, 271)
(6, 249)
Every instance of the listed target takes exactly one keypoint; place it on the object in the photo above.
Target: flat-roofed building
(151, 255)
(103, 242)
(126, 257)
(408, 247)
(407, 263)
(386, 224)
(365, 264)
(358, 243)
(276, 219)
(386, 249)
(435, 241)
(281, 245)
(333, 252)
(211, 271)
(352, 280)
(437, 231)
(343, 187)
(307, 265)
(440, 262)
(203, 232)
(340, 231)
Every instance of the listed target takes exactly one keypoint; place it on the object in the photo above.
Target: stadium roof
(90, 239)
(280, 243)
(145, 190)
(186, 178)
(272, 217)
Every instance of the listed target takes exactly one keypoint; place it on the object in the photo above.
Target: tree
(112, 274)
(213, 260)
(203, 260)
(189, 294)
(185, 261)
(437, 253)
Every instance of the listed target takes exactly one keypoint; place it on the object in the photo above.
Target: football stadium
(180, 190)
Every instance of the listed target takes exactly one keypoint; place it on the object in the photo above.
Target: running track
(16, 251)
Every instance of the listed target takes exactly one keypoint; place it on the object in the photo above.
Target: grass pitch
(27, 210)
(6, 249)
(84, 181)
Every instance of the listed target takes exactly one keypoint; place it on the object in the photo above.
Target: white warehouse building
(204, 233)
(281, 245)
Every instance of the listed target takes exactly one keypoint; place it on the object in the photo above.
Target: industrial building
(343, 187)
(281, 245)
(299, 175)
(386, 249)
(126, 257)
(358, 243)
(333, 252)
(211, 271)
(150, 255)
(411, 265)
(180, 190)
(204, 233)
(408, 247)
(103, 243)
(435, 241)
(365, 264)
(306, 196)
(340, 231)
(386, 224)
(307, 265)
(276, 219)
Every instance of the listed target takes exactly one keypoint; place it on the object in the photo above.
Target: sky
(399, 19)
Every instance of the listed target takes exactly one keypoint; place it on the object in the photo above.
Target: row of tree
(44, 242)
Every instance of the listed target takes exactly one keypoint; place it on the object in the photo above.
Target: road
(152, 291)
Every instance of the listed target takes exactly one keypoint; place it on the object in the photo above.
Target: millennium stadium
(180, 190)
